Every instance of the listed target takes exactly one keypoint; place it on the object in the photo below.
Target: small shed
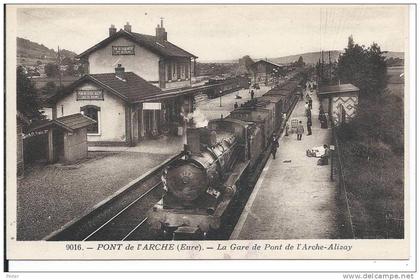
(340, 101)
(67, 137)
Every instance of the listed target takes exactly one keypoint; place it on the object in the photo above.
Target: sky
(222, 32)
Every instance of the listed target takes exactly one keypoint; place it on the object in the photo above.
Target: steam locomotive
(201, 188)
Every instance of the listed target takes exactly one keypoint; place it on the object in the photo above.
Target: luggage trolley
(293, 125)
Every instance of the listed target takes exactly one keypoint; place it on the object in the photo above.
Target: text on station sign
(122, 50)
(90, 94)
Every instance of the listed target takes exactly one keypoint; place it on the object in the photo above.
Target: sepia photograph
(171, 125)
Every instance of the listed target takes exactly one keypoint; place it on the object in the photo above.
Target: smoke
(197, 118)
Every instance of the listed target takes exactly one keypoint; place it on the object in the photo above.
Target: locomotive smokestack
(193, 140)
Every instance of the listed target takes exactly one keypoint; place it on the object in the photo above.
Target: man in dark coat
(309, 126)
(310, 102)
(274, 145)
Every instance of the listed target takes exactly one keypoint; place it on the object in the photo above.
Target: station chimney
(119, 71)
(161, 34)
(112, 30)
(127, 27)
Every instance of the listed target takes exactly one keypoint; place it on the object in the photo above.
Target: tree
(51, 70)
(248, 62)
(299, 62)
(26, 95)
(70, 66)
(364, 67)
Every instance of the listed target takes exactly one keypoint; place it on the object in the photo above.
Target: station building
(138, 86)
(266, 72)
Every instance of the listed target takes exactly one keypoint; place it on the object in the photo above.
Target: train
(201, 188)
(227, 85)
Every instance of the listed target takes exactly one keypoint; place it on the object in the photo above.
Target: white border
(244, 265)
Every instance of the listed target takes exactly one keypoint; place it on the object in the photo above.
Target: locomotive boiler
(209, 155)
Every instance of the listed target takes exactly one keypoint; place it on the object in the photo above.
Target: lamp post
(220, 98)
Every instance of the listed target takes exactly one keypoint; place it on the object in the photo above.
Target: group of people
(308, 114)
(323, 155)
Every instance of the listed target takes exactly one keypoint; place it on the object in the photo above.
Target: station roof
(132, 88)
(69, 123)
(342, 88)
(163, 48)
(261, 61)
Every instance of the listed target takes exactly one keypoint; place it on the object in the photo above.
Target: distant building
(266, 72)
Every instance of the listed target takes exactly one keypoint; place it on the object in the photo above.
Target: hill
(313, 57)
(399, 55)
(309, 57)
(28, 53)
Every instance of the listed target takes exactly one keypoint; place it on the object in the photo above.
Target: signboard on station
(90, 94)
(123, 50)
(152, 106)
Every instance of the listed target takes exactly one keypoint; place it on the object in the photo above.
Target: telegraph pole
(59, 66)
(322, 65)
(329, 60)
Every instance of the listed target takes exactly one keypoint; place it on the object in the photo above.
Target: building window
(183, 77)
(169, 71)
(187, 71)
(178, 71)
(92, 112)
(173, 71)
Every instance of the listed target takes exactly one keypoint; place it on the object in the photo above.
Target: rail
(103, 208)
(343, 194)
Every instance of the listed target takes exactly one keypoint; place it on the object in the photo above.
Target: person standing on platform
(236, 105)
(274, 145)
(309, 126)
(299, 131)
(252, 94)
(308, 112)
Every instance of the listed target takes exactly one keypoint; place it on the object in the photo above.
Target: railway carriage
(203, 186)
(227, 85)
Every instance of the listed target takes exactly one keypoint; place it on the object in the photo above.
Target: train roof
(278, 91)
(250, 109)
(272, 98)
(229, 118)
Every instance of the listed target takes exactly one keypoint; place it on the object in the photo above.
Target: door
(58, 137)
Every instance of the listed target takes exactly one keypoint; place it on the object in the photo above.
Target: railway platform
(211, 109)
(294, 197)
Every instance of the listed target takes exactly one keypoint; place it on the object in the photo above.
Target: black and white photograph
(250, 131)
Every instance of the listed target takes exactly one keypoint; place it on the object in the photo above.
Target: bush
(372, 146)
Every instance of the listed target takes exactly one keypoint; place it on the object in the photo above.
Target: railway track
(121, 216)
(129, 220)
